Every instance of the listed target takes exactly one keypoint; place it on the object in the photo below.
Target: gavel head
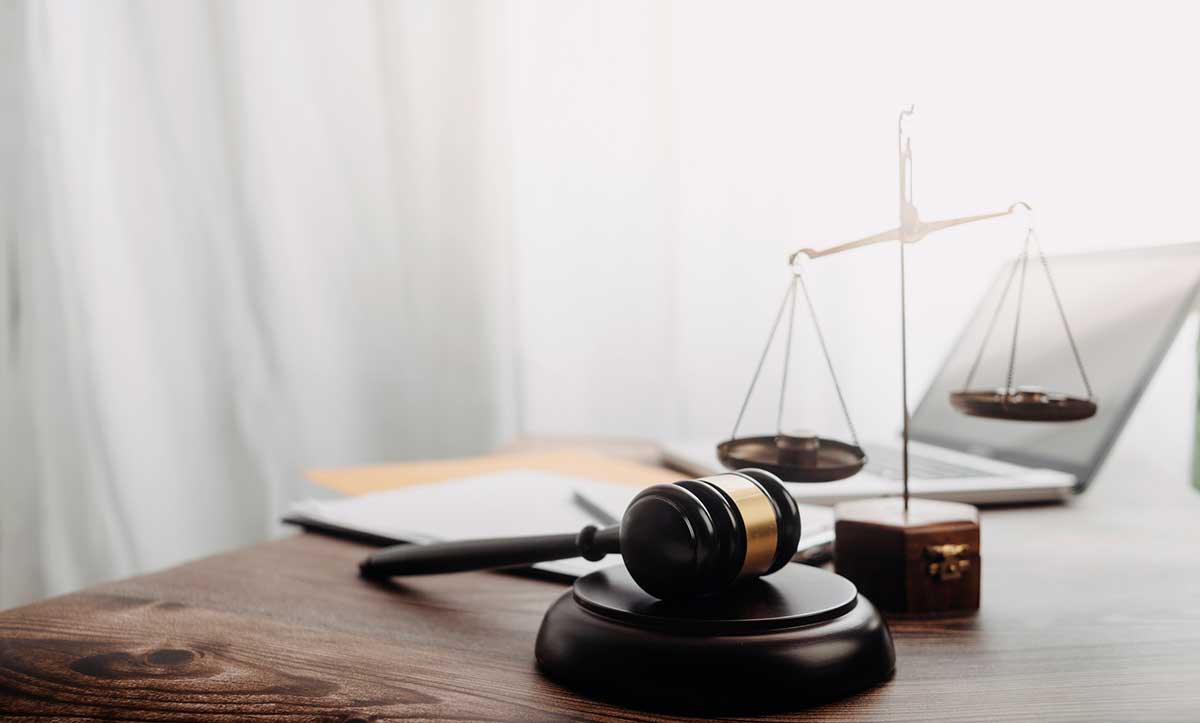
(702, 536)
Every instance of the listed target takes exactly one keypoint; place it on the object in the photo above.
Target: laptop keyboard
(886, 462)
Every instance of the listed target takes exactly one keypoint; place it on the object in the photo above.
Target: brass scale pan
(1024, 404)
(825, 460)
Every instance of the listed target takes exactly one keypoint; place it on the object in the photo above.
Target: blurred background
(242, 239)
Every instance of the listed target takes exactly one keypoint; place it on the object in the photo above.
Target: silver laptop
(1125, 308)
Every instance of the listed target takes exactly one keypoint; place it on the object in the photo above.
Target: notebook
(497, 504)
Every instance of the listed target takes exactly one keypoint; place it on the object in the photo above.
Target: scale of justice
(803, 635)
(706, 614)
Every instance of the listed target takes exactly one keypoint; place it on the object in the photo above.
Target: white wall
(671, 159)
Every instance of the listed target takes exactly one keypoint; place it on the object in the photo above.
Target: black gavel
(685, 539)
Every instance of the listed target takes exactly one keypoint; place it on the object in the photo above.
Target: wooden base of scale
(921, 562)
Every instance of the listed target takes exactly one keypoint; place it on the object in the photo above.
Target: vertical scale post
(905, 222)
(903, 378)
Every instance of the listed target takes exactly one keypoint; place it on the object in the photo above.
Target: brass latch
(945, 561)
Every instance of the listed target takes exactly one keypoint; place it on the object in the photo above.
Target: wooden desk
(1090, 612)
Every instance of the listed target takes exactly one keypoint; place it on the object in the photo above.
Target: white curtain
(241, 238)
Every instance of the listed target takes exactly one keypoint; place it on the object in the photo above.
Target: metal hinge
(945, 561)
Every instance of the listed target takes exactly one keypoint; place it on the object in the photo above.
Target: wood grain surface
(1091, 611)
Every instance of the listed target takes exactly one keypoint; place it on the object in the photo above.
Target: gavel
(685, 539)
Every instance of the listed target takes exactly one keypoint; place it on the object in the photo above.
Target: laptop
(1125, 308)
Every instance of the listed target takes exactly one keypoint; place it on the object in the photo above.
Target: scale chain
(787, 356)
(1012, 354)
(812, 313)
(758, 369)
(991, 327)
(1063, 315)
(790, 295)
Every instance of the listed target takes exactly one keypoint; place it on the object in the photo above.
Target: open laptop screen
(1124, 308)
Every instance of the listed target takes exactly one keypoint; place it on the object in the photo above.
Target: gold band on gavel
(758, 517)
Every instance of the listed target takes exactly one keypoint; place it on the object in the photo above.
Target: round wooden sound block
(795, 638)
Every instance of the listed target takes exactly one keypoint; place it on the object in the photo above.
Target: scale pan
(1026, 404)
(811, 459)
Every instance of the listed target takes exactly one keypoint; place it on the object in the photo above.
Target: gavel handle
(440, 557)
